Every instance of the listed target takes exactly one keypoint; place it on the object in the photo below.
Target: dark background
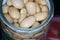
(56, 7)
(56, 12)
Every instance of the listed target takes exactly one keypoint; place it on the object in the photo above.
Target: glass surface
(37, 33)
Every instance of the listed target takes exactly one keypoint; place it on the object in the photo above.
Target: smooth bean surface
(26, 23)
(14, 13)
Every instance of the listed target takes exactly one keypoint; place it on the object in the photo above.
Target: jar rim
(51, 13)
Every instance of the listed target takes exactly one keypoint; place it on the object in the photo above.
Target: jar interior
(29, 29)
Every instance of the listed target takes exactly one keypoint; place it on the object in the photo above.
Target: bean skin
(27, 22)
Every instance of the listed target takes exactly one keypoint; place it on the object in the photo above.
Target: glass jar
(37, 33)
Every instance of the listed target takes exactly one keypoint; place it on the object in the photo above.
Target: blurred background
(56, 7)
(54, 31)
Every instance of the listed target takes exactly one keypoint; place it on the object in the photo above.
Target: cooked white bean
(31, 8)
(27, 22)
(23, 10)
(38, 1)
(9, 2)
(5, 9)
(18, 4)
(44, 8)
(42, 2)
(25, 1)
(37, 8)
(14, 13)
(23, 14)
(8, 18)
(41, 16)
(16, 24)
(30, 0)
(35, 24)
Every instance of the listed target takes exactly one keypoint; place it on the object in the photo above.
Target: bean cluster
(25, 13)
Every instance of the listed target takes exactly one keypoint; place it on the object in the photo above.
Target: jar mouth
(43, 24)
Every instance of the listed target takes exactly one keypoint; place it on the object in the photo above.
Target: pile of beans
(25, 13)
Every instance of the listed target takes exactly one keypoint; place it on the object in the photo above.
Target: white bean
(14, 13)
(31, 8)
(5, 9)
(35, 24)
(23, 10)
(37, 8)
(23, 14)
(25, 1)
(44, 8)
(27, 22)
(8, 18)
(41, 16)
(9, 2)
(42, 2)
(38, 1)
(16, 24)
(30, 0)
(18, 4)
